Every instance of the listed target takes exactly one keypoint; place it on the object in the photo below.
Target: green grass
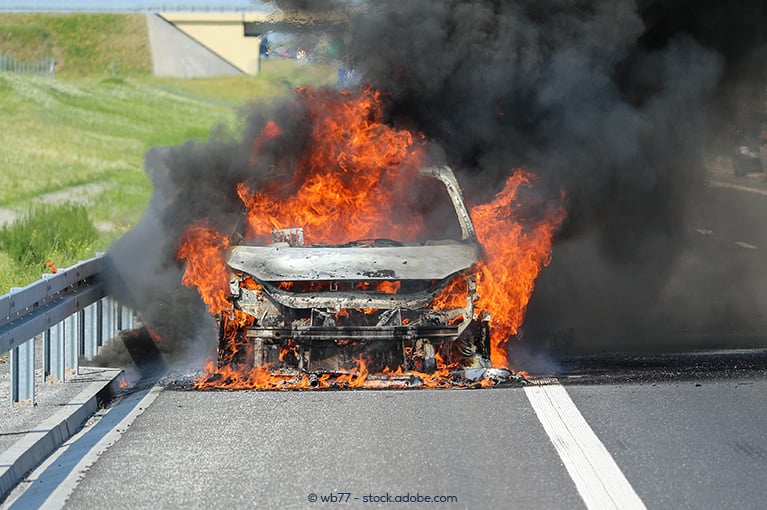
(276, 78)
(82, 44)
(27, 42)
(60, 134)
(93, 131)
(47, 233)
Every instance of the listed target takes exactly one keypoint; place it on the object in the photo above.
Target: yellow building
(199, 44)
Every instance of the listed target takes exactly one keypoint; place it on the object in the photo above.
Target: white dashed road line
(599, 480)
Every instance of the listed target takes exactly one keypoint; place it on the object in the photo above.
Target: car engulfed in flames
(374, 306)
(356, 262)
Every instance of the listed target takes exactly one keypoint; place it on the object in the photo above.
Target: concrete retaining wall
(176, 54)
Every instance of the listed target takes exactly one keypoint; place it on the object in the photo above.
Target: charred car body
(321, 308)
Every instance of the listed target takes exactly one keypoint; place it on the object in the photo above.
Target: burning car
(373, 303)
(356, 261)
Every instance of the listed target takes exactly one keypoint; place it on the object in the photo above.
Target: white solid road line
(55, 479)
(57, 499)
(599, 480)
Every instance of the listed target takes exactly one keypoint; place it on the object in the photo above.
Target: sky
(129, 5)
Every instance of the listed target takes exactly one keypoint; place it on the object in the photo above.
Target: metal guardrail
(70, 313)
(44, 67)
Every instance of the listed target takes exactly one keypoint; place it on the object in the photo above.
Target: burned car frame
(318, 309)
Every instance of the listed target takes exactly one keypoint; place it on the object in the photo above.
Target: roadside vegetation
(73, 146)
(48, 233)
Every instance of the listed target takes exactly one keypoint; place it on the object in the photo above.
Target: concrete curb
(29, 451)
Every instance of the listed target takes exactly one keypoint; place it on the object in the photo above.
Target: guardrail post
(99, 322)
(81, 333)
(23, 374)
(71, 347)
(108, 319)
(118, 317)
(54, 359)
(127, 318)
(46, 355)
(90, 336)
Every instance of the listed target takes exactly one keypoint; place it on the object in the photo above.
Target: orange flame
(250, 284)
(347, 180)
(233, 324)
(452, 296)
(262, 378)
(203, 248)
(515, 251)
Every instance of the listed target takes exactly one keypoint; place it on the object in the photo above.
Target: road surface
(681, 431)
(609, 431)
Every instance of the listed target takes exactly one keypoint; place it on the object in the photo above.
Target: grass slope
(82, 44)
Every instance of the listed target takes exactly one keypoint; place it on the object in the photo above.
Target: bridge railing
(69, 314)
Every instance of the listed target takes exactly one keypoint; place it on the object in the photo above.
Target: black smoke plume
(619, 103)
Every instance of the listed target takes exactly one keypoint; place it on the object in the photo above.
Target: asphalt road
(272, 450)
(685, 445)
(669, 431)
(686, 431)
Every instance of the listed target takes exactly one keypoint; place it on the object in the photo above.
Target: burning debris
(338, 278)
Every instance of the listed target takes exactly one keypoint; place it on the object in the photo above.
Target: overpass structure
(197, 44)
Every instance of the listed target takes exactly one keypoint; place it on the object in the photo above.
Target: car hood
(435, 260)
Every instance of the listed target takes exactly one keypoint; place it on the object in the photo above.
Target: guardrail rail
(69, 314)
